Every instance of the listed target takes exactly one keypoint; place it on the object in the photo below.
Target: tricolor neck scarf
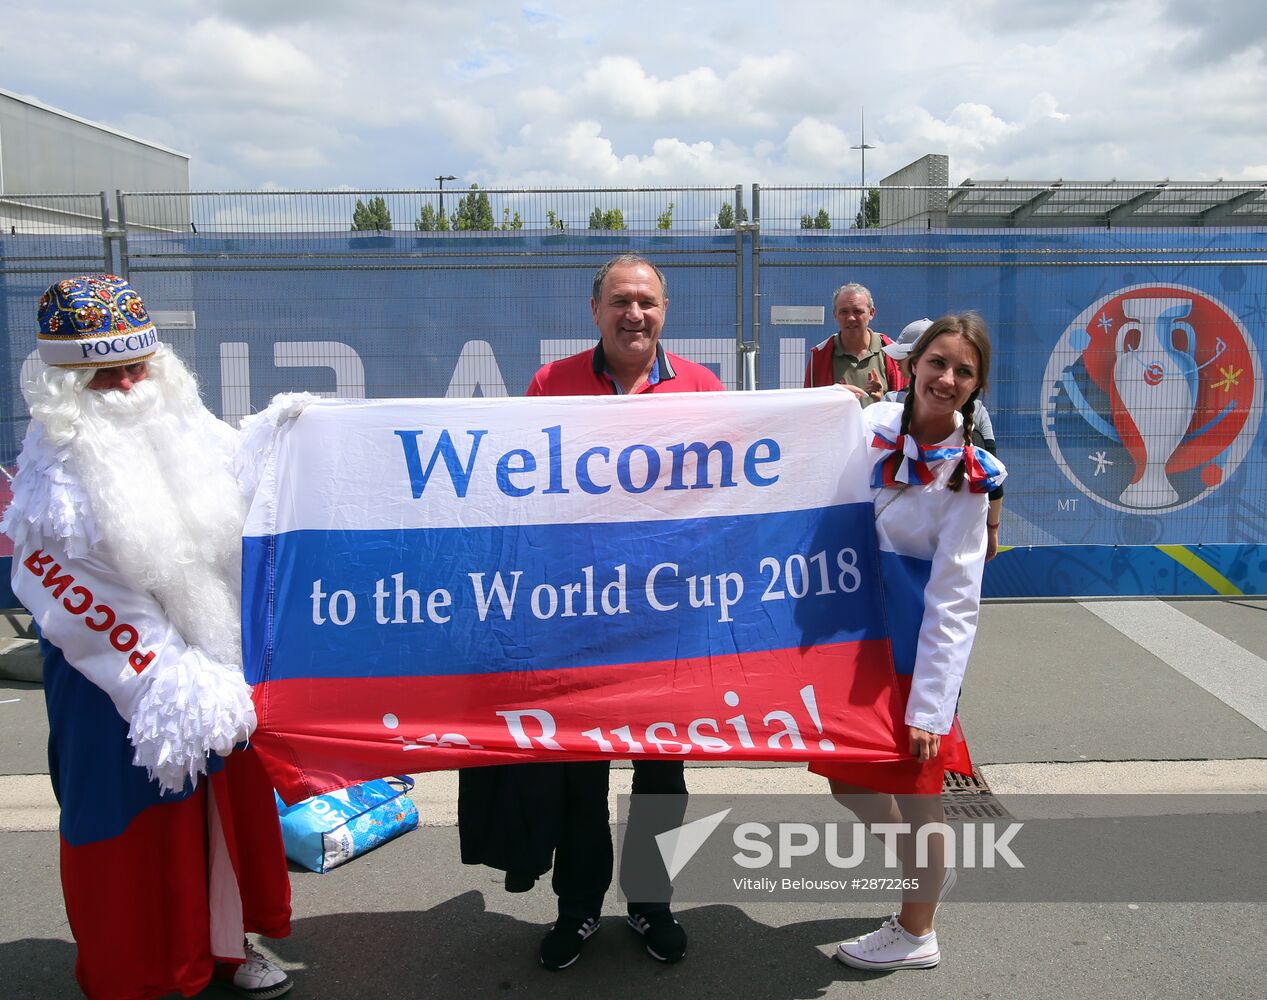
(906, 462)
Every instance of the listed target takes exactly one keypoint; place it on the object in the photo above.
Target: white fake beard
(168, 508)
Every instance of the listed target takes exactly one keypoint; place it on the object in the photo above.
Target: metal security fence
(43, 237)
(1126, 388)
(1010, 205)
(459, 291)
(39, 221)
(471, 212)
(50, 235)
(344, 293)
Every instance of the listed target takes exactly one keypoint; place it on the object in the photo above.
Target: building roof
(33, 102)
(1008, 203)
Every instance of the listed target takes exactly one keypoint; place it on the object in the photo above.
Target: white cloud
(622, 88)
(219, 63)
(818, 145)
(404, 16)
(1241, 26)
(472, 127)
(754, 93)
(969, 128)
(1010, 17)
(386, 93)
(1043, 106)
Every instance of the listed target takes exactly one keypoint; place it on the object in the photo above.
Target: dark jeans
(583, 859)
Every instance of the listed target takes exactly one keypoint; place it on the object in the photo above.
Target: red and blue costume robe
(158, 886)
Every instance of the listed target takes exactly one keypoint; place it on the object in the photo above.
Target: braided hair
(908, 406)
(972, 328)
(968, 410)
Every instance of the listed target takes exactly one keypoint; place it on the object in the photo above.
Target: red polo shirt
(585, 374)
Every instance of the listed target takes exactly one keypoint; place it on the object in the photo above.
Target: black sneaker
(562, 944)
(664, 936)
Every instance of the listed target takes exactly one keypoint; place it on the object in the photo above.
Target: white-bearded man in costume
(126, 521)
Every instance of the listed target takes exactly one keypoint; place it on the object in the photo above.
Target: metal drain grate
(966, 797)
(954, 783)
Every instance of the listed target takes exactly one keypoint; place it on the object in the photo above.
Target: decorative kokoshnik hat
(94, 321)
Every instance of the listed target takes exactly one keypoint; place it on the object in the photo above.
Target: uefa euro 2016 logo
(1152, 398)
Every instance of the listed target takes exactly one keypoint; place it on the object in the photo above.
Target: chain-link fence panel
(327, 292)
(1126, 387)
(43, 237)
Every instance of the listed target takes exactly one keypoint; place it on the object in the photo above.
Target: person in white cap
(982, 431)
(126, 521)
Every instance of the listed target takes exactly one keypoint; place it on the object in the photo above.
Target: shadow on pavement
(460, 949)
(37, 968)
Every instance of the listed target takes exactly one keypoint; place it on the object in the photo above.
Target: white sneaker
(258, 978)
(890, 947)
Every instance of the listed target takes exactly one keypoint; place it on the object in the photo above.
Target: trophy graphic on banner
(1155, 377)
(1151, 399)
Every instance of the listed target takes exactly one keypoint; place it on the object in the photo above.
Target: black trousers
(583, 858)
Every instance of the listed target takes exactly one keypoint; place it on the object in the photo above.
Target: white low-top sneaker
(260, 979)
(890, 947)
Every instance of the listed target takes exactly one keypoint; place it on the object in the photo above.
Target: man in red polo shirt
(629, 302)
(569, 800)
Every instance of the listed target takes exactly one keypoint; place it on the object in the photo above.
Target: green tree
(511, 223)
(665, 219)
(373, 216)
(613, 218)
(428, 220)
(552, 217)
(726, 216)
(871, 205)
(820, 221)
(474, 211)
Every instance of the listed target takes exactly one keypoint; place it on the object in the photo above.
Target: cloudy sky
(388, 93)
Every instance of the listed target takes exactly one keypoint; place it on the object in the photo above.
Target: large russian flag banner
(432, 584)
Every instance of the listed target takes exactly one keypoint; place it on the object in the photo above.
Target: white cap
(900, 348)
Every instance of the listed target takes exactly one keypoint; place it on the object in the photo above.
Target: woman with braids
(931, 493)
(982, 426)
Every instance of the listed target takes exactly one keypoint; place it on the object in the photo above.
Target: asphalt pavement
(1124, 696)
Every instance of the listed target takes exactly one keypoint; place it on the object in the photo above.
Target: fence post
(753, 228)
(741, 346)
(122, 235)
(107, 239)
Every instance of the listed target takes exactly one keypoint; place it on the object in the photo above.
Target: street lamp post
(441, 179)
(862, 148)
